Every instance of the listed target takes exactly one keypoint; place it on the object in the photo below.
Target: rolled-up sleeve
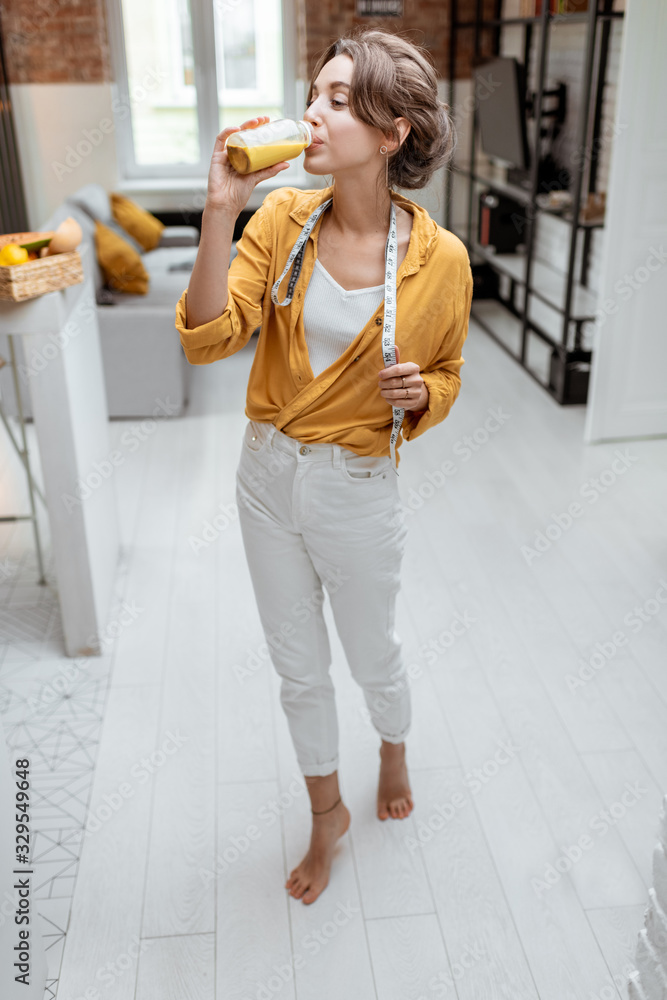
(442, 375)
(247, 277)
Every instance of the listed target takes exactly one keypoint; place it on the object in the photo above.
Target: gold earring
(384, 151)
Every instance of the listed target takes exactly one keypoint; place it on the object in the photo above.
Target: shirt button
(378, 321)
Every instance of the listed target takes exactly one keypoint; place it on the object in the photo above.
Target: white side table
(63, 369)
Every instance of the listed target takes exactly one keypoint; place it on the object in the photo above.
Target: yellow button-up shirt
(343, 403)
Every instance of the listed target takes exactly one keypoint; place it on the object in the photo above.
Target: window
(249, 62)
(185, 69)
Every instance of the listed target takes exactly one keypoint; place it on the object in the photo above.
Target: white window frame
(206, 88)
(184, 93)
(261, 94)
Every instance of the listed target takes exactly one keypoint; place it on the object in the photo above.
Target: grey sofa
(141, 351)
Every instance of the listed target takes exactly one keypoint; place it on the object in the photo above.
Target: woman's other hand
(392, 387)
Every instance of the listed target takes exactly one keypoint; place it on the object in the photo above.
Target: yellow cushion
(121, 265)
(136, 221)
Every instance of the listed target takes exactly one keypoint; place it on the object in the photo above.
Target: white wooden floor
(523, 871)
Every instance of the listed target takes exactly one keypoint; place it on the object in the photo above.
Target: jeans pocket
(256, 436)
(365, 468)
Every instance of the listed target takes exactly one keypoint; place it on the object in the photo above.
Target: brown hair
(394, 78)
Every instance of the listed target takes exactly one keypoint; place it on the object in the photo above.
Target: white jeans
(313, 514)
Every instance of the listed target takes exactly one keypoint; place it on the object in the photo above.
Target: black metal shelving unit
(572, 302)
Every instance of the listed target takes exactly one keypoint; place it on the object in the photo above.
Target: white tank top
(333, 316)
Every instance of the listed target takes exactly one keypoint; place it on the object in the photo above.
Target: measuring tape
(389, 329)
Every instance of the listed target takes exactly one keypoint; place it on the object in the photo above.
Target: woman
(316, 486)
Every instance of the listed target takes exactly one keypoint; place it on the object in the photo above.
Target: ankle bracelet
(320, 811)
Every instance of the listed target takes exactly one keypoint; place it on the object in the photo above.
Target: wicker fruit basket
(46, 274)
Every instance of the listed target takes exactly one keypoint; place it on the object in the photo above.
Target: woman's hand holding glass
(227, 189)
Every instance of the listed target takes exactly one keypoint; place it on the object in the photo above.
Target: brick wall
(425, 22)
(55, 41)
(65, 41)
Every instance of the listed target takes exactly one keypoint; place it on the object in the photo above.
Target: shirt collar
(424, 233)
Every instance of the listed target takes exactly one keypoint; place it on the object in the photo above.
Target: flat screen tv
(500, 97)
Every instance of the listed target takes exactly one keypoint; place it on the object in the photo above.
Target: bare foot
(394, 794)
(308, 879)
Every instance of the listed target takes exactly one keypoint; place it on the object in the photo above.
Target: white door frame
(628, 390)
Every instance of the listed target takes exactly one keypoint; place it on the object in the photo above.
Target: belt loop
(272, 431)
(337, 456)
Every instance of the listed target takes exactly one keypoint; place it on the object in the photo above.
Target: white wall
(628, 396)
(49, 118)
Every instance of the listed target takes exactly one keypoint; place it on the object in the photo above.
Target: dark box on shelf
(568, 377)
(502, 222)
(484, 281)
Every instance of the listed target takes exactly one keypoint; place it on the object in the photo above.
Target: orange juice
(247, 159)
(252, 149)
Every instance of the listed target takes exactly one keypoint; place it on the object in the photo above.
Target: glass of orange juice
(256, 148)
